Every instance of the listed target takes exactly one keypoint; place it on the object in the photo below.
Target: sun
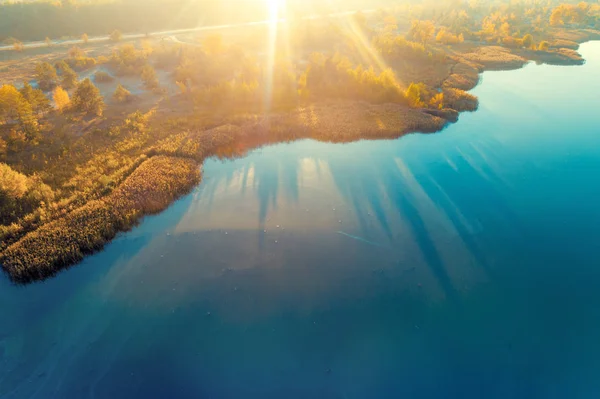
(275, 8)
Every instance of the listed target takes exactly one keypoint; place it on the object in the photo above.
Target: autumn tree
(48, 42)
(527, 41)
(20, 194)
(85, 38)
(15, 108)
(61, 99)
(544, 46)
(46, 76)
(12, 104)
(87, 98)
(415, 94)
(422, 31)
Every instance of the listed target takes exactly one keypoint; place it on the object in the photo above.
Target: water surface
(462, 264)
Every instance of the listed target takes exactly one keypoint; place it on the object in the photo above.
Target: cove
(457, 264)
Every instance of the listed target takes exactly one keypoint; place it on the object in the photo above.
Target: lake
(462, 264)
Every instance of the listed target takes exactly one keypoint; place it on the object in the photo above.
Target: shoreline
(64, 241)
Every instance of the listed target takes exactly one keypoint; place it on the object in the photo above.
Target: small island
(103, 127)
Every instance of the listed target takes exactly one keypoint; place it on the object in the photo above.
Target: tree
(48, 42)
(18, 46)
(14, 107)
(36, 98)
(505, 29)
(46, 76)
(149, 77)
(121, 94)
(10, 101)
(414, 94)
(85, 38)
(69, 78)
(12, 183)
(61, 99)
(527, 41)
(544, 46)
(20, 194)
(556, 18)
(116, 36)
(87, 98)
(422, 31)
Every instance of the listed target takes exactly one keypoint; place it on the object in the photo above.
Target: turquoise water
(462, 264)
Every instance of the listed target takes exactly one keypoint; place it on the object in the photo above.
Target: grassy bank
(65, 241)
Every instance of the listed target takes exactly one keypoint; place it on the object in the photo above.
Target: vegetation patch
(65, 241)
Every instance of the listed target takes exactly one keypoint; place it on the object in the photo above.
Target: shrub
(121, 94)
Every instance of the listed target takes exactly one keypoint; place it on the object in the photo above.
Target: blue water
(462, 264)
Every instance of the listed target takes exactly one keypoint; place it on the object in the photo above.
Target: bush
(122, 95)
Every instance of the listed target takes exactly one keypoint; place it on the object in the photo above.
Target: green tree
(69, 78)
(36, 98)
(87, 98)
(46, 76)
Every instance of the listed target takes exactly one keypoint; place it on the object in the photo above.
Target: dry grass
(65, 241)
(495, 58)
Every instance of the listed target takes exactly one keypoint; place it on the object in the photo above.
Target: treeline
(38, 20)
(502, 22)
